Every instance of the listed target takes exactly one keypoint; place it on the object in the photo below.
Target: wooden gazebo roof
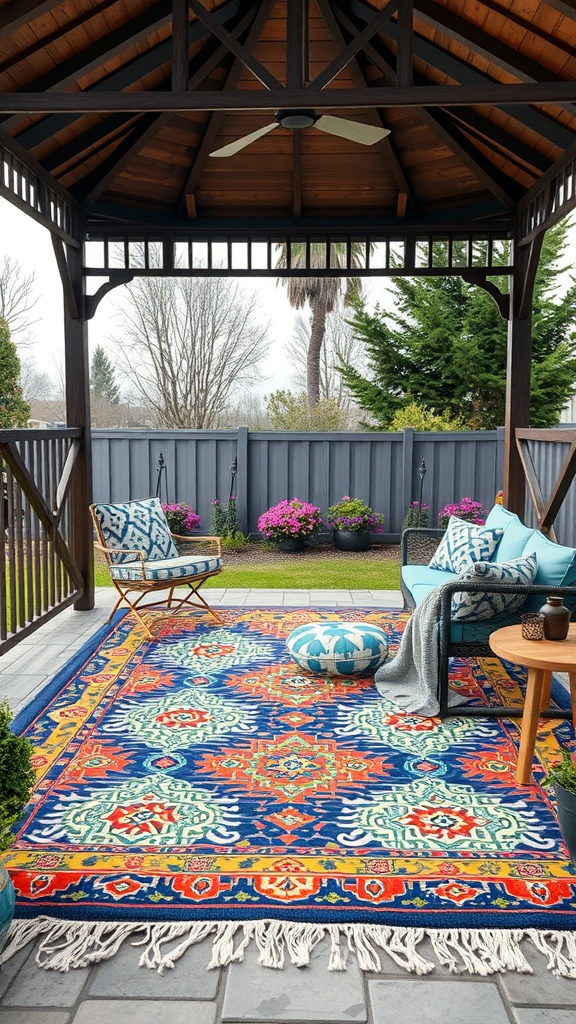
(117, 104)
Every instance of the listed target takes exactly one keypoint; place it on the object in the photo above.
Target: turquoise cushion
(136, 526)
(182, 567)
(463, 544)
(338, 648)
(556, 563)
(512, 544)
(415, 575)
(480, 605)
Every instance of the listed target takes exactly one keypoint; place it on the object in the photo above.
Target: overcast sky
(29, 243)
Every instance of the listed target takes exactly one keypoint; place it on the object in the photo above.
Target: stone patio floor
(120, 991)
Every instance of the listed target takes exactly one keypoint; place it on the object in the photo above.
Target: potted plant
(17, 779)
(181, 518)
(466, 508)
(351, 521)
(290, 523)
(563, 777)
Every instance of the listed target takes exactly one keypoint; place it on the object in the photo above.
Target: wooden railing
(38, 575)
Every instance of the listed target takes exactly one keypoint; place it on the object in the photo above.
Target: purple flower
(289, 519)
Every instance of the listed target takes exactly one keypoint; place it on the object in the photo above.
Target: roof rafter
(20, 12)
(215, 122)
(122, 78)
(354, 46)
(268, 80)
(498, 184)
(200, 68)
(386, 145)
(485, 90)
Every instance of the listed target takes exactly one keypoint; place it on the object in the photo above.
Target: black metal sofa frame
(417, 548)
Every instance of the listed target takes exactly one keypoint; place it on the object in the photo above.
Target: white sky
(29, 243)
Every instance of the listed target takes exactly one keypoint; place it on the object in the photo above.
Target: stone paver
(542, 988)
(542, 1015)
(122, 977)
(33, 1016)
(295, 994)
(436, 1002)
(34, 986)
(140, 1011)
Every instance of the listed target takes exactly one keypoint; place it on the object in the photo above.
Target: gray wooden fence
(381, 468)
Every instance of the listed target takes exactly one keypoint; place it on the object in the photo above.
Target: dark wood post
(525, 262)
(78, 414)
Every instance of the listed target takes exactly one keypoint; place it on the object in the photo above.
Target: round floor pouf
(338, 648)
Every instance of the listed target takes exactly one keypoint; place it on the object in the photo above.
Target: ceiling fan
(365, 134)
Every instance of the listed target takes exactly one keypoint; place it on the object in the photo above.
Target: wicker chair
(143, 558)
(470, 640)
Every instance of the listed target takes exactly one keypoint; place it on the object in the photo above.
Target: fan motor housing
(296, 118)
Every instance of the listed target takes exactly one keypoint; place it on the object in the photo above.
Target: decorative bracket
(91, 302)
(501, 299)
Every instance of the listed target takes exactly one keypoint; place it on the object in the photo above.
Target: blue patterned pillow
(136, 525)
(478, 606)
(463, 544)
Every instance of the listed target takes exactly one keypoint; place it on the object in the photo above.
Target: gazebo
(379, 127)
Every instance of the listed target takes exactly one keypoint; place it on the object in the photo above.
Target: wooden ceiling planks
(473, 156)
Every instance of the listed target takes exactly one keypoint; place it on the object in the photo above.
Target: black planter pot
(292, 545)
(351, 540)
(566, 802)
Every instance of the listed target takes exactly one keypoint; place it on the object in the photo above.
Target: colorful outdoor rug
(204, 784)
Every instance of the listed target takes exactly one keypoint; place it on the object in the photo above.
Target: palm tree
(322, 294)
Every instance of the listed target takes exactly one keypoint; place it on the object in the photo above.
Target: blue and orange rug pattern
(204, 776)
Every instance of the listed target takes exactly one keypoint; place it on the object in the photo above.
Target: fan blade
(235, 147)
(365, 134)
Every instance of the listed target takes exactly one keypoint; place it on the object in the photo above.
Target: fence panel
(382, 468)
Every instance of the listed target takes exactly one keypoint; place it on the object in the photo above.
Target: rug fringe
(64, 945)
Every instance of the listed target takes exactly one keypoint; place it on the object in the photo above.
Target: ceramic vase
(556, 619)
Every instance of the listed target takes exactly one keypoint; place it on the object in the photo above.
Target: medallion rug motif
(205, 777)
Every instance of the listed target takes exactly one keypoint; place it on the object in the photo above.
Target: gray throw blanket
(410, 680)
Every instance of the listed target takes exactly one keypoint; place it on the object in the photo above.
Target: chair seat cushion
(338, 648)
(183, 567)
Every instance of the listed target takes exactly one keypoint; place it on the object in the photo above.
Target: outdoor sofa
(556, 574)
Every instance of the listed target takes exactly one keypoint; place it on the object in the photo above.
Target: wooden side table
(541, 658)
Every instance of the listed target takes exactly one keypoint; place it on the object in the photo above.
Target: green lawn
(304, 572)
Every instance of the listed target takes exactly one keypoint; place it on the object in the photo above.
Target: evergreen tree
(444, 347)
(14, 411)
(102, 377)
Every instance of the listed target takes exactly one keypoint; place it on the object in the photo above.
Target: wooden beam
(124, 77)
(443, 128)
(386, 146)
(296, 174)
(480, 42)
(72, 301)
(268, 80)
(19, 12)
(467, 75)
(98, 53)
(180, 25)
(518, 368)
(149, 127)
(492, 93)
(404, 50)
(216, 120)
(295, 36)
(343, 59)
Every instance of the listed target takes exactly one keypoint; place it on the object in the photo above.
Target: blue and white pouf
(338, 648)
